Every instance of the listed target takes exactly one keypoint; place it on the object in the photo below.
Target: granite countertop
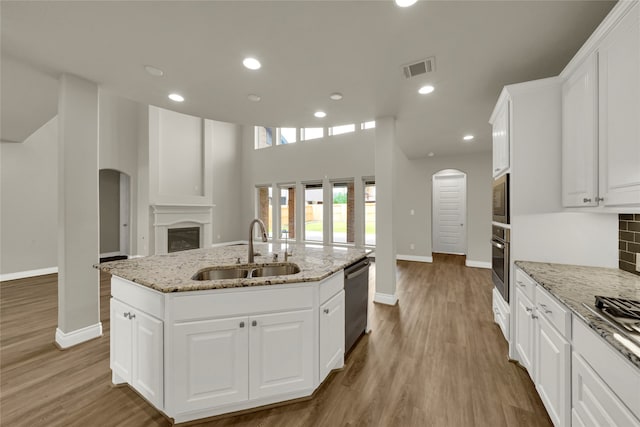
(575, 285)
(173, 272)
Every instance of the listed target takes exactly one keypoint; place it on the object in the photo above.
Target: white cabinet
(501, 312)
(553, 370)
(500, 133)
(580, 136)
(280, 353)
(331, 334)
(211, 363)
(137, 351)
(524, 336)
(593, 403)
(619, 90)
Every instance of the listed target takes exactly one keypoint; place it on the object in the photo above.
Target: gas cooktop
(623, 313)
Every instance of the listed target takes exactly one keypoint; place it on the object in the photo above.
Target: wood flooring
(435, 359)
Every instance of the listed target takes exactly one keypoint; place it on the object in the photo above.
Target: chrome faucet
(263, 230)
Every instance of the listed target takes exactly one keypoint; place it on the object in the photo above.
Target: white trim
(29, 273)
(416, 258)
(387, 299)
(235, 242)
(477, 264)
(69, 339)
(110, 254)
(136, 256)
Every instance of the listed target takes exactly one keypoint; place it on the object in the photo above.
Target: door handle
(497, 245)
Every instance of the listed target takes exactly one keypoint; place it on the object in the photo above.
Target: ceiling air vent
(420, 67)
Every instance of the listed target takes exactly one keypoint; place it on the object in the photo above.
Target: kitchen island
(200, 348)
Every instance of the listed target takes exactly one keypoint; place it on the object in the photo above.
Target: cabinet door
(552, 360)
(619, 82)
(593, 403)
(147, 374)
(331, 335)
(281, 353)
(210, 363)
(524, 331)
(580, 136)
(501, 140)
(121, 342)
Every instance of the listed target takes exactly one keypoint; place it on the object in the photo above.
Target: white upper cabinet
(619, 79)
(580, 136)
(500, 132)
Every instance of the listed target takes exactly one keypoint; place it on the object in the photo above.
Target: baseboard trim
(415, 258)
(385, 298)
(236, 242)
(478, 264)
(69, 339)
(28, 273)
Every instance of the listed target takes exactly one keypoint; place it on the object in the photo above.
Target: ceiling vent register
(423, 66)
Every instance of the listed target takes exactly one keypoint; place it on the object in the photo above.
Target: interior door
(450, 213)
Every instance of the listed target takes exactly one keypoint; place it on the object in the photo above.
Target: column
(78, 217)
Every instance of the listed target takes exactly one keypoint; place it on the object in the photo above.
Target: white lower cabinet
(553, 371)
(331, 334)
(594, 404)
(137, 351)
(525, 331)
(501, 312)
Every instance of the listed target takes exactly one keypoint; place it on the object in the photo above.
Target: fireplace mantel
(181, 216)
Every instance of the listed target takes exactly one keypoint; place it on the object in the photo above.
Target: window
(368, 125)
(338, 130)
(264, 209)
(370, 212)
(311, 133)
(313, 214)
(262, 137)
(288, 212)
(343, 209)
(287, 136)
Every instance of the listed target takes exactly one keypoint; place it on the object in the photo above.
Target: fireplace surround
(174, 217)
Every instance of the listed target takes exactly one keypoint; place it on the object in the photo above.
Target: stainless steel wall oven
(500, 260)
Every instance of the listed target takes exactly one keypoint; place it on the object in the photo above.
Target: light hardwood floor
(435, 359)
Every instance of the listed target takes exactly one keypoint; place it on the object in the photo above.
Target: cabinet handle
(127, 315)
(521, 284)
(529, 309)
(254, 323)
(242, 324)
(326, 311)
(599, 199)
(132, 316)
(496, 169)
(533, 316)
(544, 308)
(585, 200)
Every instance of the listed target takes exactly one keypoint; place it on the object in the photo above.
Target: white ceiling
(308, 50)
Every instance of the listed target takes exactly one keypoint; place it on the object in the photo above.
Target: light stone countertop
(173, 272)
(575, 285)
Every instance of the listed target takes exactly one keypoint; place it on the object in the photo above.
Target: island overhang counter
(200, 348)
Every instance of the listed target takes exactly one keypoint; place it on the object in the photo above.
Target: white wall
(414, 192)
(29, 202)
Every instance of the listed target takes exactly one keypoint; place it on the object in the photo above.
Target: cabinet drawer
(331, 286)
(525, 284)
(553, 311)
(619, 375)
(138, 296)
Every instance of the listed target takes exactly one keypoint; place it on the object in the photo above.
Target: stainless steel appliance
(500, 260)
(620, 313)
(501, 199)
(356, 296)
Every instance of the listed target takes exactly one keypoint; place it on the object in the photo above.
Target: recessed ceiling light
(251, 63)
(426, 89)
(320, 114)
(176, 97)
(431, 154)
(336, 96)
(253, 97)
(405, 3)
(156, 72)
(468, 137)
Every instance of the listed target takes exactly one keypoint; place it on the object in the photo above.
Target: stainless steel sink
(246, 271)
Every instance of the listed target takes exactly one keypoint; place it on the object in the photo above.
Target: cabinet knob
(242, 324)
(326, 311)
(254, 323)
(533, 316)
(585, 200)
(127, 315)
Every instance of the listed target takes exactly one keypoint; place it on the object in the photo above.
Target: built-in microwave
(501, 199)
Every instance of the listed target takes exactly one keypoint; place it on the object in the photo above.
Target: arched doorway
(114, 196)
(449, 212)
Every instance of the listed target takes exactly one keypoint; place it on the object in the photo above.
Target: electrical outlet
(412, 246)
(638, 261)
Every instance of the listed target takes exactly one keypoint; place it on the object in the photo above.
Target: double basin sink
(246, 271)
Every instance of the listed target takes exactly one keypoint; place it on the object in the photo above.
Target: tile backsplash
(629, 242)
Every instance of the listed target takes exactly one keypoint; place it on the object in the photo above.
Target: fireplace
(181, 227)
(183, 239)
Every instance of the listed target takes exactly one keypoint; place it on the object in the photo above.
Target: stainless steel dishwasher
(356, 295)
